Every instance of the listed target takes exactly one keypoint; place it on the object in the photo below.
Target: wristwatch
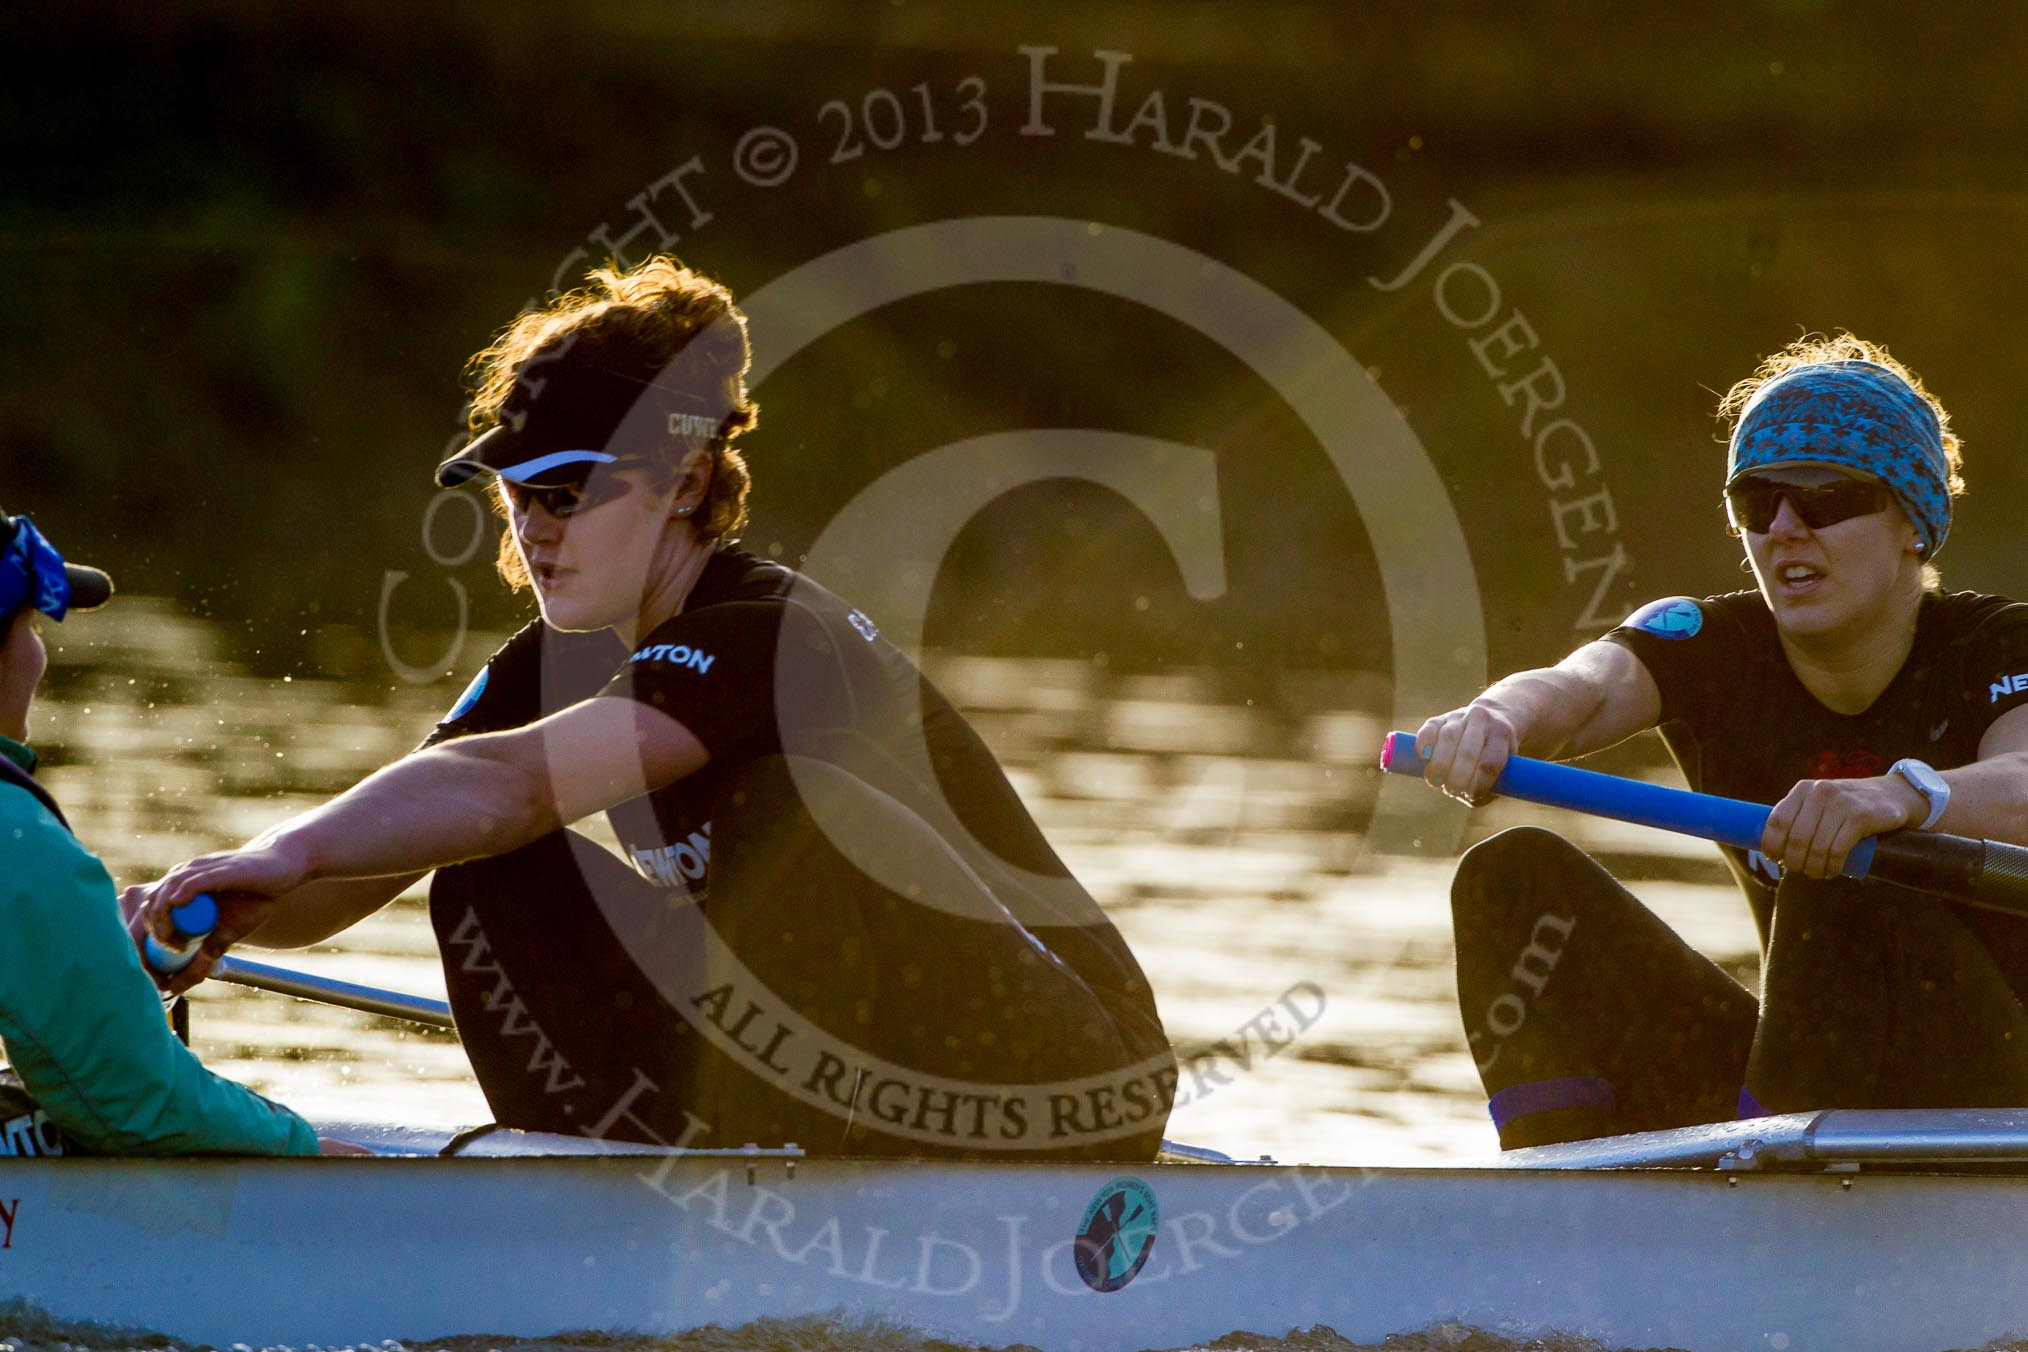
(1929, 784)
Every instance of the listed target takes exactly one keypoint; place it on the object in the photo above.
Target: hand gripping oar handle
(197, 917)
(1982, 872)
(192, 921)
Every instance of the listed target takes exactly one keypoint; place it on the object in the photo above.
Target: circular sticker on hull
(1116, 1234)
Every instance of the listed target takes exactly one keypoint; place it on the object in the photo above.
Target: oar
(1986, 873)
(196, 918)
(349, 995)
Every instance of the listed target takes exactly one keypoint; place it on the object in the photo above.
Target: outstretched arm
(465, 799)
(1599, 695)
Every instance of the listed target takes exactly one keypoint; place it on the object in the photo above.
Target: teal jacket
(82, 1022)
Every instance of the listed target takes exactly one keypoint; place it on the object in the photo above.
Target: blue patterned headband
(1852, 415)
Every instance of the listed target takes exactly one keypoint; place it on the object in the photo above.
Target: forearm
(314, 912)
(1547, 708)
(1591, 699)
(441, 806)
(1989, 799)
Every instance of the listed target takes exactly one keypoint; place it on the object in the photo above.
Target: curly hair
(635, 318)
(1815, 348)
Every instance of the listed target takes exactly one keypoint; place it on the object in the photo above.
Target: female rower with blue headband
(1850, 690)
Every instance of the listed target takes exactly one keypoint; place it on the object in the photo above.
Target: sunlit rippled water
(1221, 834)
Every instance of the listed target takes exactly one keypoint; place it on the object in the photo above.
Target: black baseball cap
(563, 420)
(27, 562)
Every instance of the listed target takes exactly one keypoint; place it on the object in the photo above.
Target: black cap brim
(520, 458)
(579, 415)
(89, 587)
(473, 460)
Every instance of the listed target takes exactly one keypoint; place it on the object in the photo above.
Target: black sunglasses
(1752, 502)
(565, 500)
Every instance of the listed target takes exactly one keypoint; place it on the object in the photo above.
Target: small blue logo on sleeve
(471, 695)
(1677, 617)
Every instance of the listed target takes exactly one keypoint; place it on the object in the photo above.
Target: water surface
(1222, 835)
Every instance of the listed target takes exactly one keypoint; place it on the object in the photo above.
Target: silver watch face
(1927, 782)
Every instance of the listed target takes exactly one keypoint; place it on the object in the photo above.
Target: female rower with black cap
(1850, 690)
(842, 928)
(94, 1066)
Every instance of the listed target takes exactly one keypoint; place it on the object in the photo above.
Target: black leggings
(591, 1001)
(1587, 1016)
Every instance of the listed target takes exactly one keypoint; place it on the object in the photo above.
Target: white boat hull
(338, 1251)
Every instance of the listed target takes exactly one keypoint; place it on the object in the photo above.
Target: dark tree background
(248, 249)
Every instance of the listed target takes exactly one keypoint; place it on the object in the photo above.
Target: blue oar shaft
(1729, 821)
(349, 995)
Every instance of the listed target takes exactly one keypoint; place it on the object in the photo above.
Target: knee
(790, 814)
(1878, 915)
(1519, 851)
(764, 783)
(1511, 873)
(1797, 890)
(1807, 907)
(562, 863)
(778, 788)
(539, 857)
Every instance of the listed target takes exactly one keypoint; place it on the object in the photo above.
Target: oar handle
(196, 918)
(193, 921)
(1729, 821)
(1987, 873)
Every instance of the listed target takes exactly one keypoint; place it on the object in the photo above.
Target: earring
(1746, 566)
(683, 511)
